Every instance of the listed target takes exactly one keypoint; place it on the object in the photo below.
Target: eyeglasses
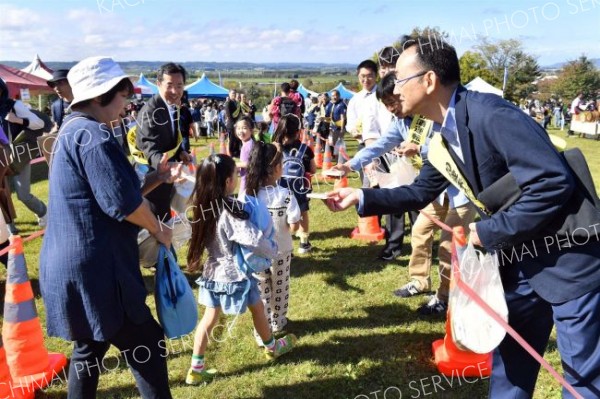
(402, 82)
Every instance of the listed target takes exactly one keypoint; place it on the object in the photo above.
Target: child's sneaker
(200, 377)
(282, 346)
(304, 248)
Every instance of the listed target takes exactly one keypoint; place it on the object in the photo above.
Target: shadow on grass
(341, 264)
(402, 360)
(377, 316)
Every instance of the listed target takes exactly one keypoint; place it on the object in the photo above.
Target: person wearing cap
(61, 87)
(90, 278)
(159, 132)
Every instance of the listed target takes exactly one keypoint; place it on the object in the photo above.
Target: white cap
(93, 77)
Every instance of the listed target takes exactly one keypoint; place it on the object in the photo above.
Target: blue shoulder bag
(175, 301)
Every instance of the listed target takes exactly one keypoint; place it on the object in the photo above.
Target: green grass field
(356, 340)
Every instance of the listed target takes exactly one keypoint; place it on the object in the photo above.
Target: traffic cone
(222, 147)
(327, 158)
(7, 387)
(318, 153)
(449, 359)
(368, 229)
(341, 182)
(31, 365)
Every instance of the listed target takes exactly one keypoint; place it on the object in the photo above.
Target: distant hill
(559, 65)
(198, 66)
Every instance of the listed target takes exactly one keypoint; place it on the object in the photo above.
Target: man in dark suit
(550, 267)
(159, 132)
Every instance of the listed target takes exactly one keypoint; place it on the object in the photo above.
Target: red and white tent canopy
(38, 68)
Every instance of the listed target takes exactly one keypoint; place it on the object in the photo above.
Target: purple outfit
(245, 157)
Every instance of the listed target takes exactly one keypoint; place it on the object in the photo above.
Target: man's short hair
(435, 54)
(285, 87)
(335, 91)
(171, 69)
(294, 84)
(388, 55)
(385, 88)
(367, 64)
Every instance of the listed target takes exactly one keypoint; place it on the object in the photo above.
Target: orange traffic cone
(193, 155)
(7, 388)
(341, 182)
(30, 364)
(318, 153)
(327, 158)
(222, 147)
(449, 359)
(368, 229)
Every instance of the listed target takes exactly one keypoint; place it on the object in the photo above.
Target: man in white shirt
(367, 120)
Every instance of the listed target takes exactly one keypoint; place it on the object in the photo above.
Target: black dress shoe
(386, 255)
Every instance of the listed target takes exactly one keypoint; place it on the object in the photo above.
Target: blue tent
(345, 94)
(305, 92)
(148, 89)
(203, 87)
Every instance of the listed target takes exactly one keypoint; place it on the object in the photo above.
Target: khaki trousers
(419, 266)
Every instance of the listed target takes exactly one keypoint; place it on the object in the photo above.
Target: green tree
(307, 83)
(577, 76)
(522, 68)
(522, 71)
(472, 65)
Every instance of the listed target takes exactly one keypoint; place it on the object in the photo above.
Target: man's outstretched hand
(341, 199)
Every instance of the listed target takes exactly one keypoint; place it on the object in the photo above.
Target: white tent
(482, 86)
(38, 68)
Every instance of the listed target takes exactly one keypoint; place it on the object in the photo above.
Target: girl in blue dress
(220, 226)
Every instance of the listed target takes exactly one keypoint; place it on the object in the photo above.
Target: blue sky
(281, 31)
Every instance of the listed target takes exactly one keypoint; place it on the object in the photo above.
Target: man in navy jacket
(550, 273)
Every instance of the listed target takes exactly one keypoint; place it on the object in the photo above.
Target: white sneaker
(43, 220)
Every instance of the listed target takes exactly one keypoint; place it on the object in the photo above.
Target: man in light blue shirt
(452, 206)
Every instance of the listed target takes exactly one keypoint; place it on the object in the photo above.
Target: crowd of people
(411, 107)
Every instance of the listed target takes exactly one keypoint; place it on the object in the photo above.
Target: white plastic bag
(184, 188)
(472, 328)
(148, 246)
(402, 172)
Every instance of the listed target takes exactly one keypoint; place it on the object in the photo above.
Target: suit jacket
(154, 137)
(155, 133)
(497, 137)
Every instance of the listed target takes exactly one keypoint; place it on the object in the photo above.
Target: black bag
(287, 106)
(582, 209)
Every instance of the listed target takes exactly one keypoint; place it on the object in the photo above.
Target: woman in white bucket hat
(90, 278)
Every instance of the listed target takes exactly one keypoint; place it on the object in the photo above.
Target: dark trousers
(235, 144)
(141, 349)
(394, 230)
(514, 371)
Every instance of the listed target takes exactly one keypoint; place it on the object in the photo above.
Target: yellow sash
(236, 112)
(417, 134)
(440, 158)
(138, 155)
